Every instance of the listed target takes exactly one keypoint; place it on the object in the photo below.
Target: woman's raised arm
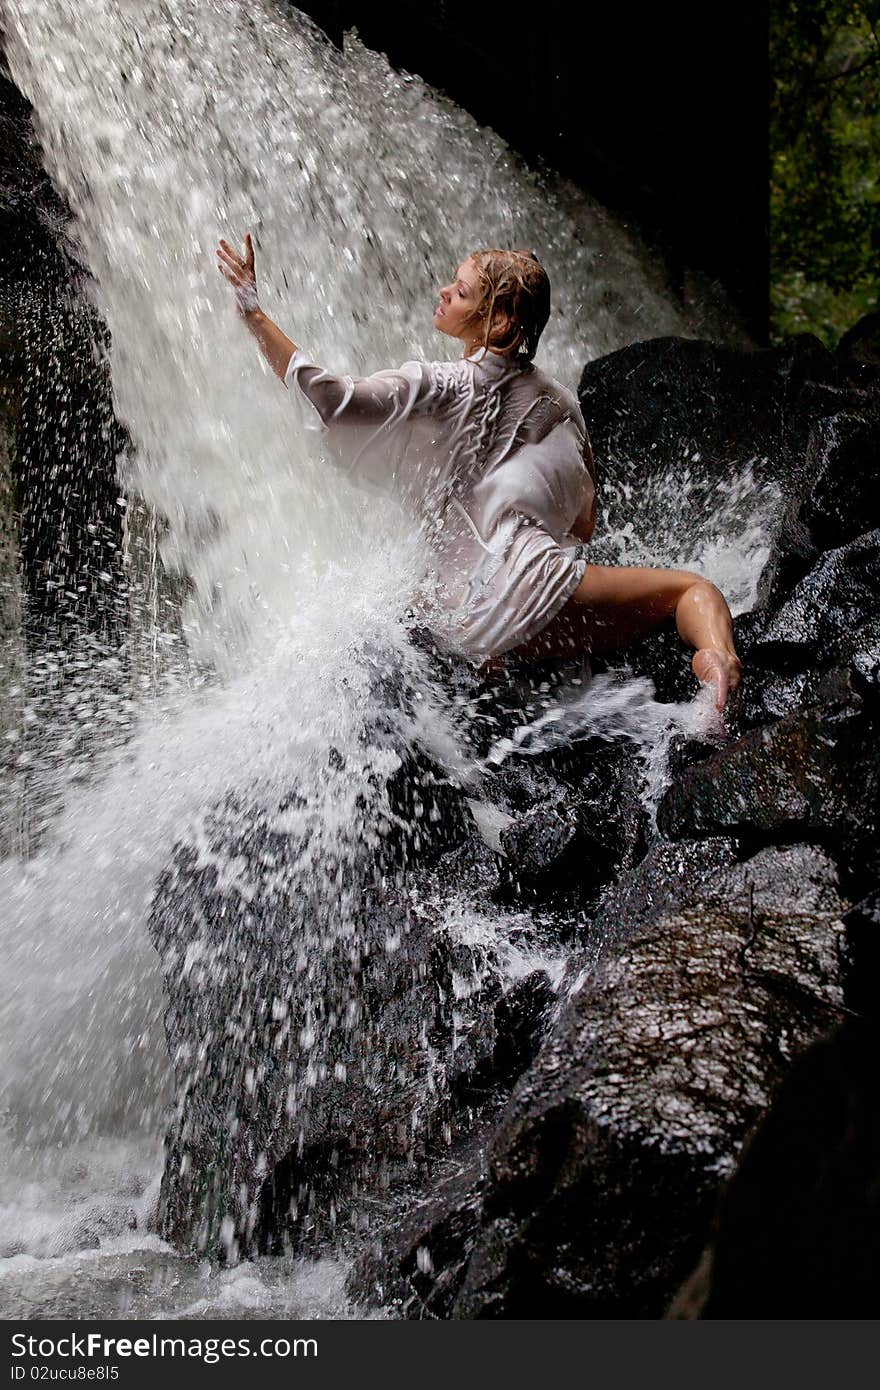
(275, 345)
(383, 398)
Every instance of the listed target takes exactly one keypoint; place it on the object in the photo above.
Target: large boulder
(291, 994)
(675, 399)
(830, 618)
(838, 500)
(798, 1229)
(416, 1263)
(667, 880)
(812, 774)
(605, 1170)
(313, 1020)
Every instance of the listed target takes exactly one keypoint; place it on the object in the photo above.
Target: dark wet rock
(844, 501)
(811, 774)
(672, 406)
(838, 499)
(861, 953)
(798, 1229)
(766, 696)
(670, 878)
(684, 432)
(416, 1261)
(665, 660)
(685, 751)
(541, 839)
(306, 1010)
(427, 816)
(446, 1225)
(329, 1026)
(575, 825)
(793, 552)
(520, 699)
(832, 616)
(861, 344)
(32, 214)
(520, 1018)
(417, 1264)
(274, 988)
(436, 1249)
(68, 440)
(672, 398)
(605, 1169)
(499, 1038)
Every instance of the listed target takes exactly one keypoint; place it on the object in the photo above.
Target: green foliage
(825, 164)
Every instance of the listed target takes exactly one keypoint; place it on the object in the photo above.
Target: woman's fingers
(232, 276)
(231, 273)
(229, 257)
(719, 669)
(240, 273)
(226, 254)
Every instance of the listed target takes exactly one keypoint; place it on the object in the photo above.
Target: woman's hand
(275, 346)
(240, 273)
(721, 669)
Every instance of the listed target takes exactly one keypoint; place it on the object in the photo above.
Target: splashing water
(611, 707)
(187, 120)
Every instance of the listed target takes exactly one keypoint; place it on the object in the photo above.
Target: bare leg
(614, 605)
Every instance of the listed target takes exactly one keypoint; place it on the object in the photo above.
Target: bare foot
(721, 669)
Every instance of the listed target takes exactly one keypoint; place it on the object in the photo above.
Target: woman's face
(454, 314)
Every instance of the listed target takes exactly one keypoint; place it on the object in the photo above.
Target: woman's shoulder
(416, 366)
(432, 380)
(546, 385)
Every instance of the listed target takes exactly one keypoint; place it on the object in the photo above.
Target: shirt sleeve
(385, 398)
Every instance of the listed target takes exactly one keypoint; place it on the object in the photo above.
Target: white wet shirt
(492, 459)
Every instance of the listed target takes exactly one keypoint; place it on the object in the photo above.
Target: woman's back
(492, 460)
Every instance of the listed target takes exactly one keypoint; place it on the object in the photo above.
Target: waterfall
(166, 124)
(363, 190)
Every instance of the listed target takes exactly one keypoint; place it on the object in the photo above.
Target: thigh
(612, 606)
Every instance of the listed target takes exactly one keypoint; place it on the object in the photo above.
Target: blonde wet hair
(515, 302)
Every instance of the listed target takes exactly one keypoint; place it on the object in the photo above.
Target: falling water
(167, 123)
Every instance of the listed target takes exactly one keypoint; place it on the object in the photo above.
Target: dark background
(659, 110)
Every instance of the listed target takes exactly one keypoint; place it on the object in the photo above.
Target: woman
(492, 458)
